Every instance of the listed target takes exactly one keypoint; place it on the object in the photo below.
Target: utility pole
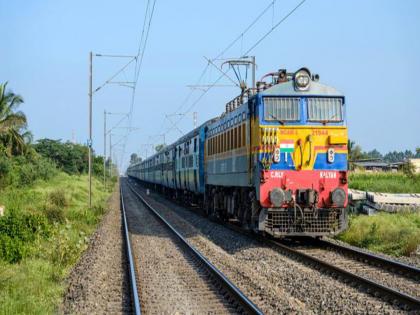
(90, 129)
(195, 119)
(110, 155)
(253, 72)
(105, 148)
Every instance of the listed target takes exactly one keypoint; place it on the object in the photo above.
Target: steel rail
(246, 304)
(133, 281)
(370, 258)
(373, 287)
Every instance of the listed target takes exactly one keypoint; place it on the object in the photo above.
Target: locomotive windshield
(325, 109)
(281, 109)
(320, 109)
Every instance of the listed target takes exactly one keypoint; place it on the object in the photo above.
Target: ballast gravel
(99, 282)
(170, 280)
(276, 283)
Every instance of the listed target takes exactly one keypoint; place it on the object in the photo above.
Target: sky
(368, 50)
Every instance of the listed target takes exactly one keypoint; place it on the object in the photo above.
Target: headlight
(277, 197)
(338, 197)
(302, 79)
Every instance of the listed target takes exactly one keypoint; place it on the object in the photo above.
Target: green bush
(390, 233)
(17, 230)
(12, 250)
(54, 214)
(22, 170)
(58, 198)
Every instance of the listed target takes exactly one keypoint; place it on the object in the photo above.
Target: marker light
(276, 155)
(331, 155)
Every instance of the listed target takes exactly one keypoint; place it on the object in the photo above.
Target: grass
(384, 182)
(35, 284)
(396, 234)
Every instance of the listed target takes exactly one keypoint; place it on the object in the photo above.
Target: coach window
(243, 135)
(223, 142)
(239, 136)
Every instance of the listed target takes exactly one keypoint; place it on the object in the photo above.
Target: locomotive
(275, 161)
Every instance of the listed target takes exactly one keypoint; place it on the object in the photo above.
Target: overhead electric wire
(262, 13)
(274, 27)
(245, 31)
(145, 32)
(113, 76)
(140, 52)
(253, 46)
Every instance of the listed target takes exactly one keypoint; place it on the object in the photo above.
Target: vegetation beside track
(396, 234)
(44, 219)
(385, 182)
(42, 235)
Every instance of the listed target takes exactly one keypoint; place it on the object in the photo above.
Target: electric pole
(195, 119)
(253, 72)
(110, 155)
(105, 148)
(90, 129)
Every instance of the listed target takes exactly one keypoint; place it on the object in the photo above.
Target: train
(274, 162)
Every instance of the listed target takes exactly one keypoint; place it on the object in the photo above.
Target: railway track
(392, 281)
(380, 277)
(132, 274)
(190, 281)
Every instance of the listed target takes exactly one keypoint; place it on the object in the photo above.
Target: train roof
(185, 137)
(288, 88)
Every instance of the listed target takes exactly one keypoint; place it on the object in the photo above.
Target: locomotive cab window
(281, 109)
(325, 109)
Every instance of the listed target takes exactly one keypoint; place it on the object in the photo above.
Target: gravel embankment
(274, 282)
(377, 274)
(99, 282)
(413, 260)
(169, 279)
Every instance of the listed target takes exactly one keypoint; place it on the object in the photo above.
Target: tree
(71, 158)
(13, 123)
(134, 158)
(355, 151)
(374, 154)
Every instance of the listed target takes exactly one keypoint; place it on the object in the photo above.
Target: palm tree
(13, 123)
